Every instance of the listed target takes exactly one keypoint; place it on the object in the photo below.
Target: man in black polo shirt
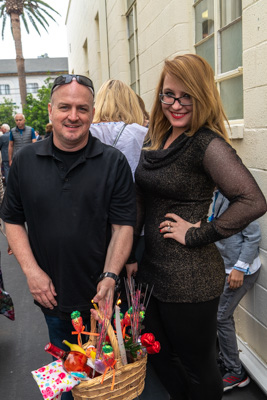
(77, 197)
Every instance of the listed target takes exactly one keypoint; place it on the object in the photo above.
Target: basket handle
(113, 341)
(93, 327)
(111, 334)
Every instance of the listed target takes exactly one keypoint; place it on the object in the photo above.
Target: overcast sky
(54, 43)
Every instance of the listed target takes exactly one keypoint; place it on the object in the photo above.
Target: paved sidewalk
(22, 341)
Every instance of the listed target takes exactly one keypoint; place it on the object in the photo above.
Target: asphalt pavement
(22, 341)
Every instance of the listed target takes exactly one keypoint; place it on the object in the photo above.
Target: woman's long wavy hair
(198, 78)
(116, 101)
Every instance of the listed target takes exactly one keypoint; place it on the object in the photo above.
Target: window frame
(34, 89)
(134, 83)
(218, 75)
(5, 87)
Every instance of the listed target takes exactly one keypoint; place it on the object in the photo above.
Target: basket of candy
(120, 382)
(124, 358)
(111, 364)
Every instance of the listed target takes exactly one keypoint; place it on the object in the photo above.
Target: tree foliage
(35, 110)
(34, 12)
(7, 112)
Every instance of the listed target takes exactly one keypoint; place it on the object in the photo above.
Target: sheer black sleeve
(236, 183)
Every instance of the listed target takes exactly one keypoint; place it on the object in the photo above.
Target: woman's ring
(169, 225)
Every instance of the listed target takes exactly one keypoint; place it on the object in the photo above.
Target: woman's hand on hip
(175, 227)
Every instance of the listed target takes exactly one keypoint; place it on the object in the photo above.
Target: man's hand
(40, 284)
(104, 296)
(117, 254)
(42, 288)
(235, 279)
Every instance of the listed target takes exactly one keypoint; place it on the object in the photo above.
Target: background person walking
(20, 135)
(4, 142)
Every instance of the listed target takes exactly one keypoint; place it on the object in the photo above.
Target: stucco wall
(103, 25)
(164, 30)
(251, 316)
(80, 27)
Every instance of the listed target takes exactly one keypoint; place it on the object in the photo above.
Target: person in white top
(119, 119)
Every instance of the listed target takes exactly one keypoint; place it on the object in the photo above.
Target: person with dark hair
(79, 237)
(187, 154)
(37, 135)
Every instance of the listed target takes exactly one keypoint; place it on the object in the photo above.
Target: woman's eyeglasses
(185, 100)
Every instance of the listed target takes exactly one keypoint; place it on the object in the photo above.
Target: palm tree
(37, 12)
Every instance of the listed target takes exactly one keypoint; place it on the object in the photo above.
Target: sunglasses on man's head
(64, 79)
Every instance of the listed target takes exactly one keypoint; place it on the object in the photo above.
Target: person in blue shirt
(240, 254)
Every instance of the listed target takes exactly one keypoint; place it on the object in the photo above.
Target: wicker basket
(129, 379)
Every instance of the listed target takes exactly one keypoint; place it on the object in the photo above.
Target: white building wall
(13, 82)
(117, 41)
(87, 40)
(166, 28)
(251, 316)
(107, 51)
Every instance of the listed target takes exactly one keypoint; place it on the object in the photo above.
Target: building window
(32, 87)
(4, 89)
(218, 38)
(133, 45)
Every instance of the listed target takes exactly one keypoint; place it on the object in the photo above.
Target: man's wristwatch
(110, 275)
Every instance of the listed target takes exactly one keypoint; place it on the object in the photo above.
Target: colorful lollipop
(108, 355)
(109, 361)
(77, 321)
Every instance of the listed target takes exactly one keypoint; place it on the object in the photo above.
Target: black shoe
(231, 380)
